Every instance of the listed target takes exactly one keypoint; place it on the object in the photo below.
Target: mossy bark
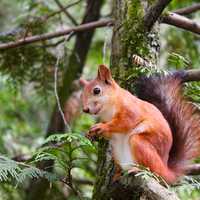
(129, 37)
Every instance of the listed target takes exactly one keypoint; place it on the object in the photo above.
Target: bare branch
(59, 11)
(63, 9)
(193, 169)
(47, 36)
(181, 22)
(154, 13)
(191, 75)
(188, 10)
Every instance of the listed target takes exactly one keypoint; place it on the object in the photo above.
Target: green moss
(134, 40)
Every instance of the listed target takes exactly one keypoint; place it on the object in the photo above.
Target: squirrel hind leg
(145, 154)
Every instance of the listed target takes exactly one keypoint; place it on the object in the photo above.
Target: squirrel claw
(97, 129)
(91, 137)
(134, 170)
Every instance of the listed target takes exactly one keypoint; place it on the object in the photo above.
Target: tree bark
(130, 36)
(38, 189)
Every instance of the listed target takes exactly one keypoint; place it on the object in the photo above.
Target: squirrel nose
(86, 110)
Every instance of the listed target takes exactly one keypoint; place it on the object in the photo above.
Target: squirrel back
(165, 92)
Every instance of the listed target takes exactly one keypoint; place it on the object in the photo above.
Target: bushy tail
(165, 92)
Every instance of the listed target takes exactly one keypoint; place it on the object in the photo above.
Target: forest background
(39, 91)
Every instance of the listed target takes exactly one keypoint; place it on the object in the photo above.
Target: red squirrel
(159, 130)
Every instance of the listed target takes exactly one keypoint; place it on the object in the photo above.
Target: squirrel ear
(83, 82)
(104, 74)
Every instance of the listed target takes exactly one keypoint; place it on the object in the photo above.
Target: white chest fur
(122, 151)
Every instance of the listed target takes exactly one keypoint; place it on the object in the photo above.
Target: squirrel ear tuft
(104, 74)
(83, 82)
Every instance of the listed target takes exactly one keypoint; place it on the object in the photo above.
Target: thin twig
(43, 19)
(106, 40)
(59, 11)
(52, 45)
(65, 180)
(56, 92)
(188, 10)
(64, 10)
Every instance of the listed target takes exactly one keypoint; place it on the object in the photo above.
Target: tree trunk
(130, 36)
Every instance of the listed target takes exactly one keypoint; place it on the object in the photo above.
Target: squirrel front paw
(91, 136)
(96, 130)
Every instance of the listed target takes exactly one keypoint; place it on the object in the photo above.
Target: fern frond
(35, 173)
(69, 137)
(8, 169)
(19, 172)
(30, 172)
(44, 156)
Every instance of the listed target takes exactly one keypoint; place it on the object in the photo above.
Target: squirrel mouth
(97, 110)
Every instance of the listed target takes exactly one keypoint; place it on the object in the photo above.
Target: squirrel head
(98, 95)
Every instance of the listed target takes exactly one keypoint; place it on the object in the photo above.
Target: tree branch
(181, 22)
(154, 13)
(191, 75)
(64, 10)
(47, 36)
(135, 186)
(59, 11)
(193, 169)
(188, 10)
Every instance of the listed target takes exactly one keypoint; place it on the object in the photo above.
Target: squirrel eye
(96, 90)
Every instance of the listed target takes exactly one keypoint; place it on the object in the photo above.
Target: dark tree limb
(154, 13)
(188, 10)
(181, 22)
